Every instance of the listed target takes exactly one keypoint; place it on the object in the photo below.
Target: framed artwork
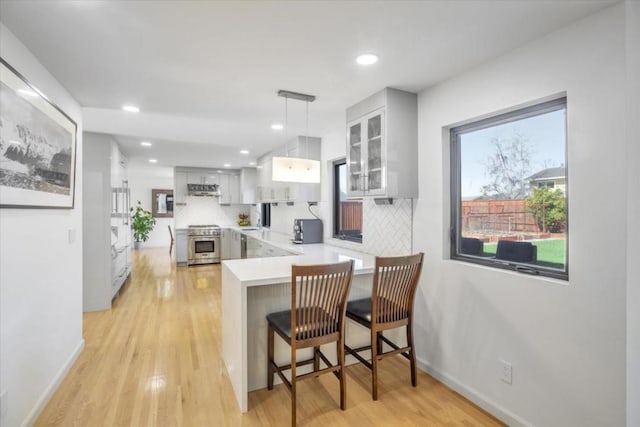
(37, 147)
(162, 203)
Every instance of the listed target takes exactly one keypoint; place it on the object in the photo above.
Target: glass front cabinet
(382, 146)
(365, 160)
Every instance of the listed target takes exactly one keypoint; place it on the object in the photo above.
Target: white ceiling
(205, 73)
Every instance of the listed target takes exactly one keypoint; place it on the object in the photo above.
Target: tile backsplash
(207, 210)
(386, 229)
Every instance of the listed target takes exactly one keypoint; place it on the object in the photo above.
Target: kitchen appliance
(203, 189)
(307, 231)
(204, 244)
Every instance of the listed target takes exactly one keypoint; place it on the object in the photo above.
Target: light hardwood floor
(155, 359)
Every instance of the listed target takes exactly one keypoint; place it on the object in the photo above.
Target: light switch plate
(72, 235)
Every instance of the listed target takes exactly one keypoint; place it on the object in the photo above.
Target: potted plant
(142, 223)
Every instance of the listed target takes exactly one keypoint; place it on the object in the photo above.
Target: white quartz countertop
(264, 271)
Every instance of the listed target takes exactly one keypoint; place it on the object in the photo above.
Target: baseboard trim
(474, 395)
(53, 386)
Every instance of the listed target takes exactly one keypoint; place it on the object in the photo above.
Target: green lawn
(550, 252)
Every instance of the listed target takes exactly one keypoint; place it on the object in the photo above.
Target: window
(265, 214)
(509, 190)
(347, 214)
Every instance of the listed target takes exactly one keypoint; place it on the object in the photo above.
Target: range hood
(211, 190)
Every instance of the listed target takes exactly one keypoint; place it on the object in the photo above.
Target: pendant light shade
(296, 169)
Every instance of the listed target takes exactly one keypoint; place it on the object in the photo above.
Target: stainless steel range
(204, 244)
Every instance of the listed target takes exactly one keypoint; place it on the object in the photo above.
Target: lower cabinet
(182, 246)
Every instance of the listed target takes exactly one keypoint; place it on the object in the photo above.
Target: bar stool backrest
(395, 280)
(318, 299)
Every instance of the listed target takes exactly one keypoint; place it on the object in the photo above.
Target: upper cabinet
(382, 145)
(229, 189)
(202, 177)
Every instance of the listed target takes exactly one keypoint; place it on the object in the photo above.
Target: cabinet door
(234, 189)
(375, 175)
(180, 190)
(182, 242)
(226, 238)
(355, 160)
(225, 194)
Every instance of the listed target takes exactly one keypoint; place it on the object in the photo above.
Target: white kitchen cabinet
(248, 183)
(231, 244)
(182, 246)
(180, 188)
(226, 236)
(106, 221)
(382, 146)
(201, 176)
(229, 189)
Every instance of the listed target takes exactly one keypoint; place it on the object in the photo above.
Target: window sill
(499, 270)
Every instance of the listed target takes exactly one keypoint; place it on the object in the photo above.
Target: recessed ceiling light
(277, 126)
(146, 144)
(219, 171)
(130, 109)
(244, 151)
(227, 165)
(367, 59)
(258, 167)
(153, 160)
(252, 163)
(27, 92)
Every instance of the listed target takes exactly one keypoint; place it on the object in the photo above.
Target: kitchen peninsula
(253, 288)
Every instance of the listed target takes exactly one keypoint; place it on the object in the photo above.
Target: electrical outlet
(3, 404)
(506, 371)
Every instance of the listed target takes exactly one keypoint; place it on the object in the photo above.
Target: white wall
(633, 213)
(143, 179)
(566, 340)
(40, 274)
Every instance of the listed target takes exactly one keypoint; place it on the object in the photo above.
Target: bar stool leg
(293, 387)
(270, 359)
(412, 354)
(316, 359)
(379, 342)
(374, 365)
(343, 384)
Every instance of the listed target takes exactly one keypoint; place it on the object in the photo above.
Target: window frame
(456, 197)
(265, 215)
(336, 203)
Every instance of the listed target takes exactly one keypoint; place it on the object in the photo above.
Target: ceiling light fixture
(146, 144)
(367, 59)
(277, 126)
(252, 163)
(244, 151)
(153, 160)
(227, 165)
(295, 169)
(130, 109)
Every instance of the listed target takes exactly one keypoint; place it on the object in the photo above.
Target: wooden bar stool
(318, 302)
(395, 280)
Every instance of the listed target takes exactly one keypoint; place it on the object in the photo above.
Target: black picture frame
(38, 144)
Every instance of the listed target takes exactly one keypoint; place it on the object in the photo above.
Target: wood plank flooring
(155, 359)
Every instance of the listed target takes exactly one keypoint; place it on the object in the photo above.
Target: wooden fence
(351, 215)
(497, 217)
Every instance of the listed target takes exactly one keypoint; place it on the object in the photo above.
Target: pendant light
(296, 169)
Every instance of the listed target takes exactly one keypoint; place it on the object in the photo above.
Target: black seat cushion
(281, 321)
(360, 310)
(516, 251)
(471, 246)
